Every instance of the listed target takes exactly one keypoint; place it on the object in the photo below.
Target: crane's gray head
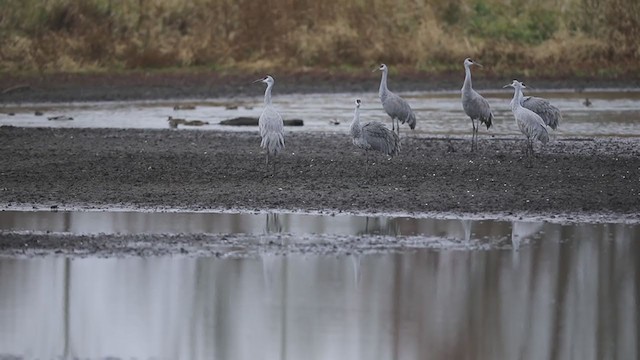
(358, 102)
(382, 67)
(267, 80)
(516, 85)
(468, 62)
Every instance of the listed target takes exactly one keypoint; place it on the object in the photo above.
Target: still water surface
(612, 113)
(556, 299)
(571, 291)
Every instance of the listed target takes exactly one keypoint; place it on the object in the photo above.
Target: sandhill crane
(529, 123)
(474, 105)
(271, 125)
(373, 135)
(395, 106)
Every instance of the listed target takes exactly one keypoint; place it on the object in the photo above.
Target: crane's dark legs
(367, 160)
(473, 135)
(395, 126)
(526, 148)
(273, 162)
(529, 152)
(531, 148)
(267, 163)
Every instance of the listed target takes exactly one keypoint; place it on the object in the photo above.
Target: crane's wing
(477, 107)
(380, 138)
(270, 121)
(550, 114)
(271, 130)
(398, 108)
(532, 125)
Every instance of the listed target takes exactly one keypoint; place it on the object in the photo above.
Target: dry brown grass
(545, 37)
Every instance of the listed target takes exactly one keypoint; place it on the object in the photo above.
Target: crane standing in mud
(474, 105)
(271, 125)
(529, 123)
(373, 135)
(395, 106)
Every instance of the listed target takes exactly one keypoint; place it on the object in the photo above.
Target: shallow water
(135, 222)
(556, 298)
(559, 291)
(612, 113)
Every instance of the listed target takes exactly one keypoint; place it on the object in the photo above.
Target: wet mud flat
(209, 170)
(201, 170)
(235, 246)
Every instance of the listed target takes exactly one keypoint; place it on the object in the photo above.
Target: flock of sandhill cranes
(532, 115)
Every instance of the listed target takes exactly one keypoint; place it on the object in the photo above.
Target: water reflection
(274, 224)
(561, 299)
(132, 222)
(523, 231)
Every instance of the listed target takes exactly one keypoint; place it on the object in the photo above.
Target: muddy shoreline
(28, 245)
(199, 170)
(208, 170)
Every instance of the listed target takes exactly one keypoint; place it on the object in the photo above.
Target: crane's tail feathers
(487, 121)
(553, 123)
(394, 146)
(411, 120)
(273, 142)
(543, 136)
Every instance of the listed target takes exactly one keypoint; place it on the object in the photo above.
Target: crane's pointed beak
(506, 86)
(376, 69)
(259, 80)
(475, 63)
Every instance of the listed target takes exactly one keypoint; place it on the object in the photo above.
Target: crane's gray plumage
(373, 135)
(474, 105)
(270, 124)
(529, 123)
(395, 106)
(549, 113)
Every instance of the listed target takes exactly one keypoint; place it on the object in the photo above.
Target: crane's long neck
(383, 83)
(355, 123)
(466, 87)
(517, 98)
(267, 94)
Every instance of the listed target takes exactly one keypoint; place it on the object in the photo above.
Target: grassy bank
(542, 38)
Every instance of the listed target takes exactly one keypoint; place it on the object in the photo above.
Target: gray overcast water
(612, 113)
(570, 291)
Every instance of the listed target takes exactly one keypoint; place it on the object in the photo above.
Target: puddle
(611, 113)
(557, 299)
(571, 292)
(133, 222)
(245, 234)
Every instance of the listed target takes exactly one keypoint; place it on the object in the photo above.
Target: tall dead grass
(547, 37)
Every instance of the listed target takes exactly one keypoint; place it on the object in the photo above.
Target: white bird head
(516, 85)
(382, 67)
(267, 80)
(468, 62)
(358, 102)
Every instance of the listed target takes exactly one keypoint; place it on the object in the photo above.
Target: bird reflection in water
(274, 224)
(380, 226)
(523, 231)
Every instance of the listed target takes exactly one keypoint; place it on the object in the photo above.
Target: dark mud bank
(199, 170)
